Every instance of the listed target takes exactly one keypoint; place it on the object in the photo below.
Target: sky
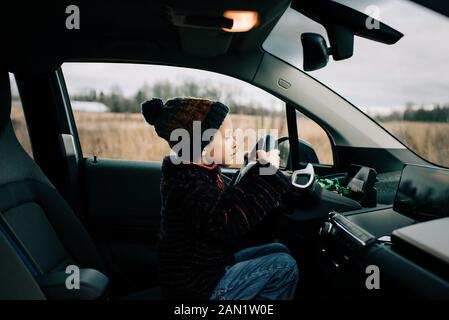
(131, 77)
(416, 69)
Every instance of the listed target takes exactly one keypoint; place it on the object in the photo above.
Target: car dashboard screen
(423, 193)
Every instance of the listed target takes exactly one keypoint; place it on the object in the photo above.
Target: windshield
(404, 87)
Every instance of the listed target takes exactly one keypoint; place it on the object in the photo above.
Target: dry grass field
(127, 136)
(428, 139)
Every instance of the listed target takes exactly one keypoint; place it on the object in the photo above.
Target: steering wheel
(267, 144)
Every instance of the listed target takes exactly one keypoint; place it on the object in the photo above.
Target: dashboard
(423, 193)
(337, 234)
(408, 240)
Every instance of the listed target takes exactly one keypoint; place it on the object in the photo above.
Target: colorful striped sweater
(202, 217)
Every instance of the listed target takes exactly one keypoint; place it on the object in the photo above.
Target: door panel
(120, 188)
(123, 199)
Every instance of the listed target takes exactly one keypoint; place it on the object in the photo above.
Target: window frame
(293, 127)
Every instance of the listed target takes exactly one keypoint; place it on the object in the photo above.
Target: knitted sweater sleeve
(230, 213)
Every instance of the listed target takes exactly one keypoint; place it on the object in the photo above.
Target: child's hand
(272, 157)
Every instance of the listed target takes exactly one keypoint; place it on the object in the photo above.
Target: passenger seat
(37, 226)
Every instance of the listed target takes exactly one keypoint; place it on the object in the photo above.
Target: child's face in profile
(222, 148)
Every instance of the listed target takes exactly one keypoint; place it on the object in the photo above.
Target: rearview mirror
(315, 51)
(342, 23)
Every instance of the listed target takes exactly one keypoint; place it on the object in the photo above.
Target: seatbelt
(8, 234)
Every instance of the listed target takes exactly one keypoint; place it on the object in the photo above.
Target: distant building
(89, 106)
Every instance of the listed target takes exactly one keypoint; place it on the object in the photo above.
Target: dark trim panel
(41, 104)
(293, 136)
(382, 160)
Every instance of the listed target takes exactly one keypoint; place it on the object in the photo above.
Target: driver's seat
(36, 223)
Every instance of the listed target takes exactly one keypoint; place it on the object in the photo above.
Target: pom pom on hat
(151, 109)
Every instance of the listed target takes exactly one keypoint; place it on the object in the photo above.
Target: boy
(202, 217)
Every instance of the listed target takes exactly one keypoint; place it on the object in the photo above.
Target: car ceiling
(37, 40)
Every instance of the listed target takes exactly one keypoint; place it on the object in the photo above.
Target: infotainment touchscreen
(423, 193)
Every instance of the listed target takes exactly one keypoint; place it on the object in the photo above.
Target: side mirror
(284, 153)
(306, 153)
(315, 51)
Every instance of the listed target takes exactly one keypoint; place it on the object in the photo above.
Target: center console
(350, 191)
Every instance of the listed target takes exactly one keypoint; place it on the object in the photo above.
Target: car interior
(60, 208)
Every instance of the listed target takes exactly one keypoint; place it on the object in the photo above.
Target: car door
(121, 167)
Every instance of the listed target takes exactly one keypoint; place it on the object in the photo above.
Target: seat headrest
(5, 99)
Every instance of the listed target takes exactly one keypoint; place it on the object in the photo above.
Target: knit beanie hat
(181, 113)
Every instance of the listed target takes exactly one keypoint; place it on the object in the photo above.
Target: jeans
(266, 272)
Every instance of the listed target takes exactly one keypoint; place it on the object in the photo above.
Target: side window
(312, 133)
(264, 121)
(315, 147)
(107, 107)
(18, 117)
